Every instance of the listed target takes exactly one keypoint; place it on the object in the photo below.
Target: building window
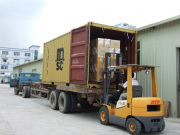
(27, 54)
(26, 61)
(35, 55)
(16, 53)
(4, 60)
(138, 52)
(4, 67)
(34, 70)
(16, 61)
(4, 52)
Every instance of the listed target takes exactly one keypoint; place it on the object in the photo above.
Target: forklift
(134, 112)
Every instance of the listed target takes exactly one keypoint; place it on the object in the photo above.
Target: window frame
(5, 52)
(15, 53)
(27, 54)
(4, 59)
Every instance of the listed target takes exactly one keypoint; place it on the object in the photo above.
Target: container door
(78, 55)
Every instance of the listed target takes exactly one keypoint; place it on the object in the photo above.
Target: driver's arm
(121, 85)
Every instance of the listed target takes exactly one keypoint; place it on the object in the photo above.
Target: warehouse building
(33, 66)
(159, 45)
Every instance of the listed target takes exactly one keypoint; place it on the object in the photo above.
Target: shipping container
(66, 59)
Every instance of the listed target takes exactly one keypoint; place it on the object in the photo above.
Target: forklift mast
(107, 75)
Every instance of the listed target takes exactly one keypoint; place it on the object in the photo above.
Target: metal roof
(28, 73)
(28, 63)
(159, 23)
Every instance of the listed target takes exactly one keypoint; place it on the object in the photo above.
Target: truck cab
(24, 79)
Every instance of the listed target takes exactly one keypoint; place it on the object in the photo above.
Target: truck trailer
(67, 65)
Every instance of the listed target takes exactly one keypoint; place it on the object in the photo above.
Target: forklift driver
(134, 82)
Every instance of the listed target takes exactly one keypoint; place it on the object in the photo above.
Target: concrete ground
(33, 116)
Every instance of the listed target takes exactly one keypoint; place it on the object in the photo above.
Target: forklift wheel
(104, 115)
(133, 126)
(163, 127)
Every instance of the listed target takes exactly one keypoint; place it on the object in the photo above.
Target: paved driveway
(33, 116)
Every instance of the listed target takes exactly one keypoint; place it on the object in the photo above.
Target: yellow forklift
(134, 112)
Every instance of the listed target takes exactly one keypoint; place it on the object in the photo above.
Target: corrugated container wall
(57, 58)
(158, 46)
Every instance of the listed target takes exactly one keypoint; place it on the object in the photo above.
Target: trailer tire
(54, 96)
(16, 92)
(64, 102)
(133, 126)
(73, 97)
(26, 92)
(104, 115)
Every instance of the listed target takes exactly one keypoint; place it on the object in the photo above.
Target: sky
(33, 22)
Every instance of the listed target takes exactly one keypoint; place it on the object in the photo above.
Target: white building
(10, 57)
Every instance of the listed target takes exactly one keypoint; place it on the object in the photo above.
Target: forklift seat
(136, 92)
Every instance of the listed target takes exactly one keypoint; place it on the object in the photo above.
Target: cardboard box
(97, 58)
(116, 50)
(98, 42)
(97, 67)
(102, 51)
(115, 44)
(111, 50)
(166, 108)
(107, 43)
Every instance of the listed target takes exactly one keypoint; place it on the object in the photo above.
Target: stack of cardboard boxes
(98, 49)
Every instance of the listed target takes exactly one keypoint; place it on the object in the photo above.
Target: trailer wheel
(16, 92)
(54, 99)
(133, 126)
(73, 97)
(104, 115)
(64, 102)
(26, 92)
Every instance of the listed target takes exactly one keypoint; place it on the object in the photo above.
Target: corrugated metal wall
(56, 60)
(158, 47)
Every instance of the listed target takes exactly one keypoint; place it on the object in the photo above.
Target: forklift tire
(104, 115)
(64, 102)
(163, 127)
(25, 92)
(54, 99)
(16, 92)
(73, 97)
(133, 126)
